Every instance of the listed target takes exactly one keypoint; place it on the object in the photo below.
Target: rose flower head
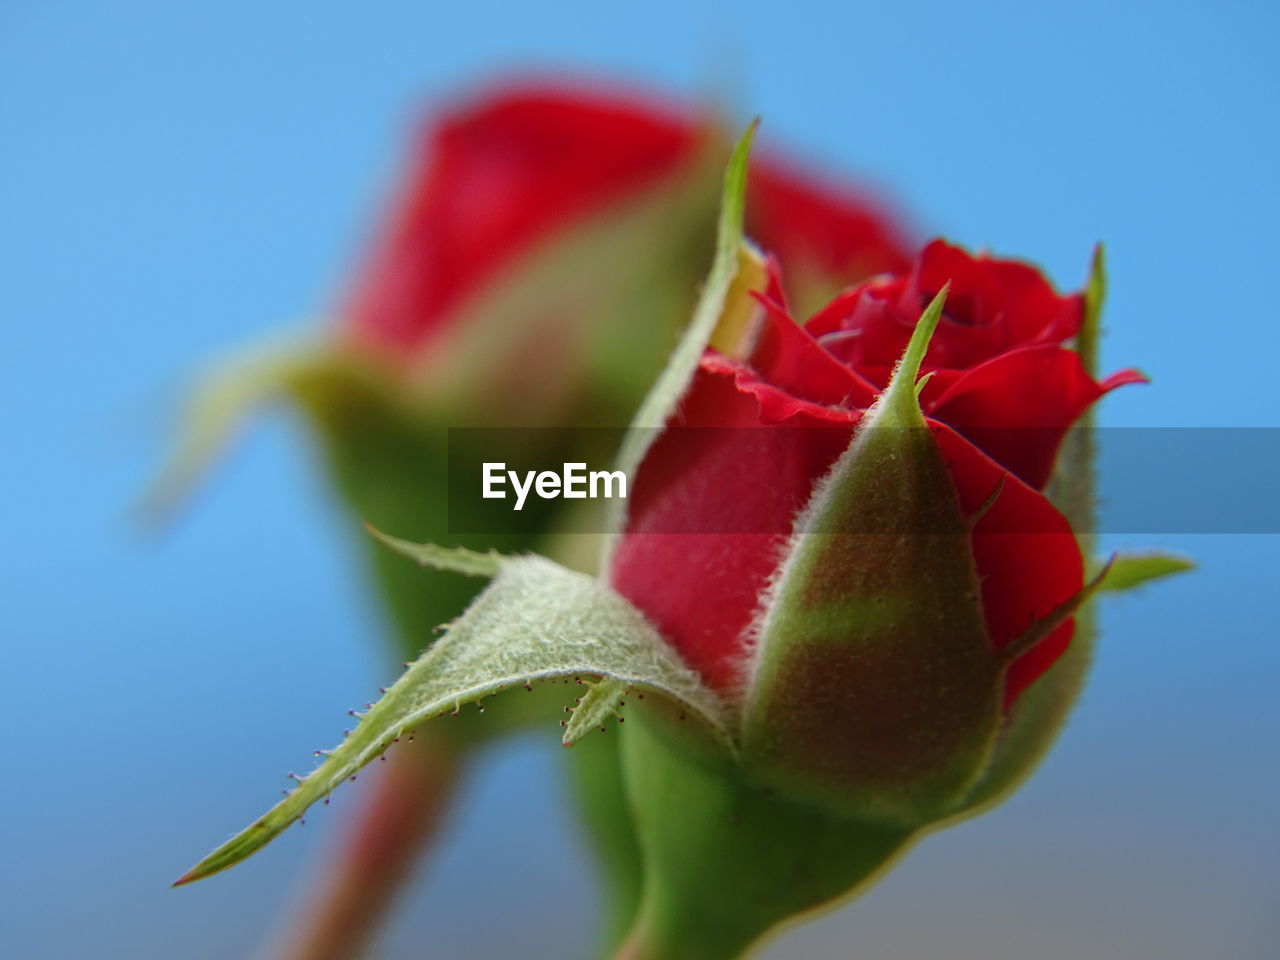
(863, 562)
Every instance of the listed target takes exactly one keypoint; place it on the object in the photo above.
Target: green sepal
(602, 701)
(1039, 712)
(1033, 723)
(469, 563)
(223, 399)
(1035, 719)
(1130, 570)
(1043, 626)
(1095, 296)
(673, 381)
(874, 689)
(1073, 487)
(536, 621)
(726, 315)
(387, 458)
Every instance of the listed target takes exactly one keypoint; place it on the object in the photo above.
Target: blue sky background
(175, 179)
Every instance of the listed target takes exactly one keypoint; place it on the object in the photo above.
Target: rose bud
(530, 216)
(861, 562)
(998, 367)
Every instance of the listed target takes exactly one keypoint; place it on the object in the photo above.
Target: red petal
(1011, 296)
(1034, 312)
(861, 329)
(805, 221)
(488, 179)
(993, 306)
(773, 288)
(786, 356)
(1027, 558)
(701, 589)
(1122, 378)
(1018, 406)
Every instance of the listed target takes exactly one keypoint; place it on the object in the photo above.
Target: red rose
(496, 177)
(997, 359)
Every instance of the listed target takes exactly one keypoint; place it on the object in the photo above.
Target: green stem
(726, 861)
(595, 766)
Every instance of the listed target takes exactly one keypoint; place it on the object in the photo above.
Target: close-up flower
(873, 592)
(663, 483)
(1000, 370)
(848, 598)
